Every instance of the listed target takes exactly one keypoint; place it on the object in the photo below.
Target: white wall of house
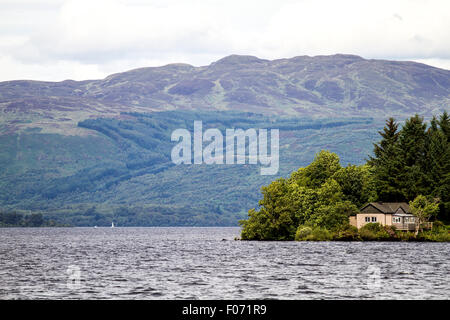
(381, 218)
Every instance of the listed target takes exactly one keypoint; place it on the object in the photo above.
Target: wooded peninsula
(409, 165)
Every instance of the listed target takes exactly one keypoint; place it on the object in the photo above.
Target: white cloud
(59, 70)
(85, 39)
(439, 63)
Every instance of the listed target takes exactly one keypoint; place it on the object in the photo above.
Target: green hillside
(121, 168)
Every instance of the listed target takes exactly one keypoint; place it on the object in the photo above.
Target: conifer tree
(438, 158)
(387, 164)
(412, 145)
(444, 124)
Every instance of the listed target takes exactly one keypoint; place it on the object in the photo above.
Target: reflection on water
(205, 263)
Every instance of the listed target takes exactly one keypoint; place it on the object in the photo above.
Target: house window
(396, 219)
(367, 219)
(374, 219)
(409, 219)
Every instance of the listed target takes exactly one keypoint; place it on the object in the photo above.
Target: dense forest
(409, 164)
(14, 219)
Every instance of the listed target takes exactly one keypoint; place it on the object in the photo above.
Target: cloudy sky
(77, 39)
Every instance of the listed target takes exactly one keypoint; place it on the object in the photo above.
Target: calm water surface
(205, 263)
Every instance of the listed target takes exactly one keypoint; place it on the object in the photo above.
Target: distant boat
(112, 224)
(95, 227)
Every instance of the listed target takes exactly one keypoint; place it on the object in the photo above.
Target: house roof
(389, 207)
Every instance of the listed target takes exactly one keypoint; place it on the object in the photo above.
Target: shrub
(367, 234)
(439, 234)
(438, 225)
(347, 233)
(302, 233)
(305, 233)
(405, 236)
(373, 232)
(373, 227)
(443, 236)
(320, 234)
(391, 231)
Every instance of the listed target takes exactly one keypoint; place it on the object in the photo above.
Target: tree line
(414, 160)
(15, 219)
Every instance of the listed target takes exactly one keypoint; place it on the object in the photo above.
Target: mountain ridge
(317, 86)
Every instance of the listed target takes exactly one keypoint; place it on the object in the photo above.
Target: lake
(206, 263)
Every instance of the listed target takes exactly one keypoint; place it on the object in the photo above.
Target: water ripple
(195, 263)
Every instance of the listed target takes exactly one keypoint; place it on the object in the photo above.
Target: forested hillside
(122, 169)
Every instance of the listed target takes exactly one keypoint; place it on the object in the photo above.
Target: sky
(55, 40)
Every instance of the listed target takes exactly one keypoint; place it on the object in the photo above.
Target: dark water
(196, 263)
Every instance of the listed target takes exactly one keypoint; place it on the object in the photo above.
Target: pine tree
(439, 159)
(436, 164)
(412, 145)
(444, 124)
(390, 137)
(387, 164)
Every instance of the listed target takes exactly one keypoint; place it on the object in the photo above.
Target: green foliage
(414, 161)
(255, 227)
(346, 233)
(376, 232)
(302, 232)
(439, 163)
(276, 219)
(373, 231)
(437, 234)
(423, 208)
(387, 164)
(312, 234)
(322, 195)
(444, 124)
(405, 236)
(309, 197)
(14, 219)
(333, 216)
(324, 166)
(357, 183)
(412, 145)
(391, 230)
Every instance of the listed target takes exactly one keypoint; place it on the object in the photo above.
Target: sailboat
(112, 224)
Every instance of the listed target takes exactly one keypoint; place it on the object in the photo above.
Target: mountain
(301, 86)
(88, 152)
